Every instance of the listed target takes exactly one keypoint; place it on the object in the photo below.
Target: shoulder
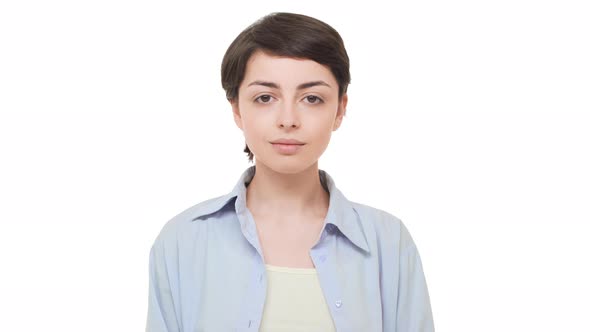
(383, 226)
(183, 222)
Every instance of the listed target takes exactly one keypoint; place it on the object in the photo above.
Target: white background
(469, 120)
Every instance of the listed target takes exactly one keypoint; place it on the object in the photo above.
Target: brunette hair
(290, 35)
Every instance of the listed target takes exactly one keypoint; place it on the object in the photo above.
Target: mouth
(287, 142)
(287, 148)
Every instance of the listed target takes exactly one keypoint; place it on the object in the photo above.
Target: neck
(292, 197)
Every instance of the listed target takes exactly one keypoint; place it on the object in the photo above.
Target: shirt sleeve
(161, 315)
(414, 313)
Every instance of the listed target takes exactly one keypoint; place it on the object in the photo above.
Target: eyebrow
(299, 87)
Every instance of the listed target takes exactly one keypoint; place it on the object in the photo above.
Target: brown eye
(264, 99)
(314, 99)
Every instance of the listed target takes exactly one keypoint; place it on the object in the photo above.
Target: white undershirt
(294, 301)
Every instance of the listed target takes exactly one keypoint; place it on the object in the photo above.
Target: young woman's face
(276, 102)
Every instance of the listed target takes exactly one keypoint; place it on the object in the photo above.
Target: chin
(286, 165)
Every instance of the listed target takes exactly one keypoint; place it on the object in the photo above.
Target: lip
(287, 141)
(287, 149)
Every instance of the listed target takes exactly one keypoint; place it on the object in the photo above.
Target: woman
(285, 250)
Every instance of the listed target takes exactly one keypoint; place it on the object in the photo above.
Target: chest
(222, 283)
(288, 244)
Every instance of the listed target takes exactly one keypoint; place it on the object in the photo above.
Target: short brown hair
(289, 35)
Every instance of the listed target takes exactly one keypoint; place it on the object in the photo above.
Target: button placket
(254, 301)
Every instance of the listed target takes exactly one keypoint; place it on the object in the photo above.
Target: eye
(264, 99)
(314, 99)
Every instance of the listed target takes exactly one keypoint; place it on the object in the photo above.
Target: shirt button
(323, 258)
(260, 278)
(338, 304)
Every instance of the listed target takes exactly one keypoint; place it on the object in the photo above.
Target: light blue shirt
(207, 272)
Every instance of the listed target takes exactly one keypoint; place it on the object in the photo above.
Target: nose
(288, 116)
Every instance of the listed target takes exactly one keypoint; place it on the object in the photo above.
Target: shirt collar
(341, 213)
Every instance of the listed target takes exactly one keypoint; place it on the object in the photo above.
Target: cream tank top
(294, 301)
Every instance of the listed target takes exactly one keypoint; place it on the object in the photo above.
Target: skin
(287, 182)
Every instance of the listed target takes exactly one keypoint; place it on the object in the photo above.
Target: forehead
(263, 66)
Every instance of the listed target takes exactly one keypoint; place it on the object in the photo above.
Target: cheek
(254, 122)
(321, 129)
(254, 128)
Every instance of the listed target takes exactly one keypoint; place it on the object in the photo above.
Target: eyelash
(320, 100)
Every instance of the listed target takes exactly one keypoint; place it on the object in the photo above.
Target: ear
(236, 113)
(341, 112)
